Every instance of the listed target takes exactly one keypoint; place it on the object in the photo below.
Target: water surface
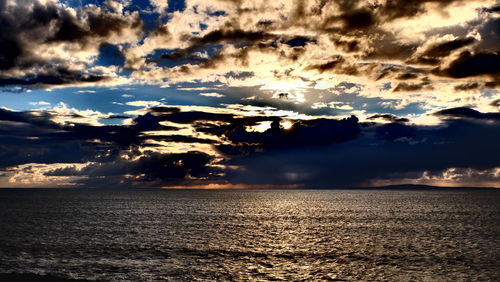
(237, 235)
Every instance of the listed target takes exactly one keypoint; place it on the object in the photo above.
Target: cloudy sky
(249, 93)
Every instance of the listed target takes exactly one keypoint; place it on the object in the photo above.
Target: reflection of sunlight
(286, 124)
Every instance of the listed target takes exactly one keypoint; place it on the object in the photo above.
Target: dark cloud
(190, 117)
(117, 117)
(152, 169)
(492, 84)
(25, 29)
(54, 76)
(32, 137)
(302, 133)
(400, 73)
(91, 23)
(405, 86)
(313, 151)
(490, 35)
(495, 103)
(217, 37)
(212, 123)
(472, 64)
(346, 45)
(464, 112)
(358, 19)
(467, 86)
(393, 131)
(355, 27)
(409, 8)
(163, 109)
(317, 153)
(385, 45)
(476, 85)
(381, 152)
(299, 41)
(246, 41)
(495, 9)
(406, 76)
(434, 54)
(329, 65)
(444, 49)
(222, 35)
(337, 64)
(357, 14)
(388, 117)
(233, 128)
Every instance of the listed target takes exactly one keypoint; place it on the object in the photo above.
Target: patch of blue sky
(176, 5)
(147, 12)
(80, 3)
(216, 13)
(203, 26)
(21, 101)
(150, 19)
(489, 93)
(379, 105)
(141, 4)
(156, 54)
(144, 8)
(134, 4)
(115, 99)
(104, 99)
(109, 55)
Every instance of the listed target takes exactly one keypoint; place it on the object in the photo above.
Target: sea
(241, 235)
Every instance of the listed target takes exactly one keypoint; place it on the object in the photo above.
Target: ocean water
(190, 235)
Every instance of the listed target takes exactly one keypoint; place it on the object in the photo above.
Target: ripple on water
(240, 235)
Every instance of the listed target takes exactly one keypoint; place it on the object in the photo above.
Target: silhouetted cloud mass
(226, 93)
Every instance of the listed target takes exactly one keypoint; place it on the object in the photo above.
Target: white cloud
(63, 114)
(34, 175)
(212, 94)
(146, 104)
(39, 103)
(160, 6)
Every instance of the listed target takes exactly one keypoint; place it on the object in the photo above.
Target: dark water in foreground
(239, 235)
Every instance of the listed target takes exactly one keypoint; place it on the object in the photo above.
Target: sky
(249, 94)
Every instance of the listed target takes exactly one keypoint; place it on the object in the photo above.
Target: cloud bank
(222, 93)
